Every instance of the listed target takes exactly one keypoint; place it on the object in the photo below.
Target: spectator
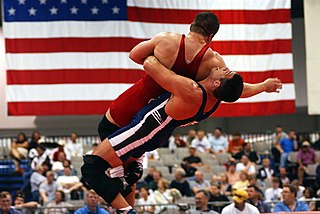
(192, 159)
(180, 183)
(149, 176)
(164, 195)
(156, 177)
(201, 142)
(5, 204)
(48, 188)
(255, 199)
(73, 147)
(289, 202)
(176, 141)
(277, 137)
(306, 156)
(39, 156)
(235, 144)
(284, 179)
(92, 204)
(35, 140)
(202, 199)
(300, 189)
(253, 182)
(93, 146)
(58, 206)
(19, 151)
(191, 135)
(265, 171)
(60, 149)
(198, 183)
(67, 163)
(218, 143)
(309, 194)
(243, 182)
(216, 196)
(70, 184)
(247, 151)
(286, 146)
(27, 207)
(273, 193)
(246, 165)
(225, 186)
(35, 181)
(240, 206)
(58, 165)
(145, 199)
(232, 174)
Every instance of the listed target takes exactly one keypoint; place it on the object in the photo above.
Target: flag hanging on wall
(68, 57)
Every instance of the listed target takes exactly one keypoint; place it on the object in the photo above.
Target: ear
(216, 83)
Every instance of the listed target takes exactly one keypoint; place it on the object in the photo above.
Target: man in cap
(306, 156)
(240, 206)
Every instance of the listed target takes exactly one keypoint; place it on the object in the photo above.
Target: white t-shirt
(231, 209)
(272, 194)
(240, 166)
(201, 145)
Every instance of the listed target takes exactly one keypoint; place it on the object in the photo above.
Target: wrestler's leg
(105, 128)
(130, 197)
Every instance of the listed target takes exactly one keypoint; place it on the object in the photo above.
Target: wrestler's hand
(272, 85)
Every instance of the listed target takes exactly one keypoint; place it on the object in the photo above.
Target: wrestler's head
(229, 84)
(205, 23)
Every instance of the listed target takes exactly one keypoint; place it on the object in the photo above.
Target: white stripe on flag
(227, 32)
(64, 92)
(87, 92)
(212, 4)
(121, 60)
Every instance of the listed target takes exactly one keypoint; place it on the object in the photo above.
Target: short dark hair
(254, 187)
(62, 194)
(206, 193)
(205, 23)
(292, 188)
(229, 90)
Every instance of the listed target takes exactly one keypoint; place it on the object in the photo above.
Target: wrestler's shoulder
(169, 36)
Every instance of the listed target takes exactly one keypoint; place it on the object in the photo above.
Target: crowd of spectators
(251, 181)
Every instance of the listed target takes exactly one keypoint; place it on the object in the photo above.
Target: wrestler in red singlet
(132, 100)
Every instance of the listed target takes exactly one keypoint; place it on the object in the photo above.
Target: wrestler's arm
(175, 84)
(144, 49)
(269, 85)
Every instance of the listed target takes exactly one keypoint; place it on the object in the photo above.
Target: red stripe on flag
(114, 76)
(126, 44)
(225, 16)
(58, 108)
(286, 76)
(255, 109)
(252, 47)
(99, 107)
(39, 45)
(73, 76)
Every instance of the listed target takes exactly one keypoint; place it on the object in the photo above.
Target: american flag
(71, 56)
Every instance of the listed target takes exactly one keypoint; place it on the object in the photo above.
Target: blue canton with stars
(64, 10)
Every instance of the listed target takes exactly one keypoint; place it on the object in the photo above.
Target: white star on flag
(104, 1)
(54, 11)
(115, 10)
(74, 10)
(94, 10)
(43, 1)
(12, 11)
(63, 1)
(83, 1)
(21, 1)
(32, 11)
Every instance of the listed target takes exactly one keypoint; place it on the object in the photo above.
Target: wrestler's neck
(201, 39)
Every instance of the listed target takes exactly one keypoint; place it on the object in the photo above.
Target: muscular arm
(269, 85)
(176, 84)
